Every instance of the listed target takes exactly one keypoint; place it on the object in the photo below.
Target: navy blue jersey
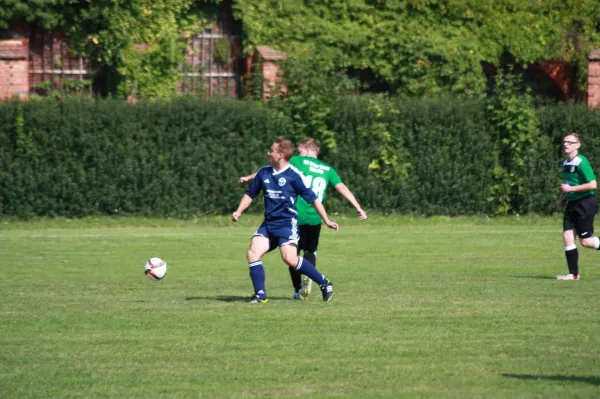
(280, 191)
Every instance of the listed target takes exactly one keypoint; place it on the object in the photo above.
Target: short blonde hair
(285, 146)
(311, 144)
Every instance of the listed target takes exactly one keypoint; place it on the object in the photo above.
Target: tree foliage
(111, 32)
(425, 47)
(312, 87)
(415, 48)
(516, 125)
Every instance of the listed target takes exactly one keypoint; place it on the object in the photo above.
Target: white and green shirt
(317, 175)
(575, 172)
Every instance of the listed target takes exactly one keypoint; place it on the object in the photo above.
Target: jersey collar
(280, 171)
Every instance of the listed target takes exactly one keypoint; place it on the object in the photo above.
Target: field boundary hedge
(77, 157)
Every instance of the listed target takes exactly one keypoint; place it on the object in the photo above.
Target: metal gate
(52, 66)
(212, 65)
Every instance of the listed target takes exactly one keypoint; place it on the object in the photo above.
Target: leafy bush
(76, 157)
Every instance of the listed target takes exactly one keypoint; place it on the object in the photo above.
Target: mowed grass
(423, 308)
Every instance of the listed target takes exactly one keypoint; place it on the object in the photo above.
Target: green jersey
(575, 172)
(316, 175)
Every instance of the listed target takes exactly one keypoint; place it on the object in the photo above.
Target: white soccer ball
(155, 268)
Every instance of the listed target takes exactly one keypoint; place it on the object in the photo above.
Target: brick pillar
(594, 79)
(14, 74)
(270, 74)
(270, 70)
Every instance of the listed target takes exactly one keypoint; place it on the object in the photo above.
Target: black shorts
(579, 215)
(309, 237)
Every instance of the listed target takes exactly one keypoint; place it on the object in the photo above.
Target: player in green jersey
(318, 175)
(579, 185)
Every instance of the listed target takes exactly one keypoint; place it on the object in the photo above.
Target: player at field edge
(281, 185)
(579, 185)
(317, 175)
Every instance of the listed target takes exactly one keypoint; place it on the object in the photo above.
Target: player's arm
(244, 204)
(589, 186)
(251, 193)
(321, 211)
(246, 179)
(346, 193)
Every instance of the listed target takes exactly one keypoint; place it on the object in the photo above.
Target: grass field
(423, 308)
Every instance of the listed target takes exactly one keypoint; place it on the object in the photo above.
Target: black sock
(572, 261)
(296, 279)
(311, 257)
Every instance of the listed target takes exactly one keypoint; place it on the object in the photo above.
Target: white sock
(596, 242)
(570, 247)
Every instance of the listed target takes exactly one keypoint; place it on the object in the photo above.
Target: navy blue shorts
(279, 233)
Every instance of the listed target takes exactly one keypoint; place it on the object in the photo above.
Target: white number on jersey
(317, 184)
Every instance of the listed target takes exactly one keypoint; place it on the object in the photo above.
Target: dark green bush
(446, 144)
(76, 157)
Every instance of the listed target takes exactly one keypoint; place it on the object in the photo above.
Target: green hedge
(452, 148)
(544, 177)
(447, 145)
(78, 157)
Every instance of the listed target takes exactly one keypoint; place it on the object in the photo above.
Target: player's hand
(235, 216)
(565, 188)
(332, 225)
(362, 215)
(561, 203)
(243, 180)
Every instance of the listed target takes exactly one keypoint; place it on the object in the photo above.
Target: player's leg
(289, 254)
(591, 242)
(311, 256)
(571, 253)
(572, 256)
(585, 225)
(581, 216)
(309, 241)
(306, 283)
(298, 281)
(296, 278)
(258, 247)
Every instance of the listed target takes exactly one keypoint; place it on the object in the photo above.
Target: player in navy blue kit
(281, 184)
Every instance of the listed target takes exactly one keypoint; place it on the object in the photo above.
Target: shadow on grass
(571, 378)
(536, 277)
(223, 298)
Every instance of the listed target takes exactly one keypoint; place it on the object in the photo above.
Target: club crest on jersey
(572, 169)
(281, 181)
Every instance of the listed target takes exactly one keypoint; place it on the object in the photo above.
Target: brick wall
(14, 77)
(594, 79)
